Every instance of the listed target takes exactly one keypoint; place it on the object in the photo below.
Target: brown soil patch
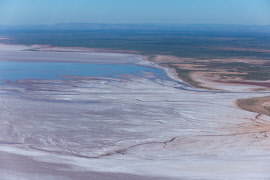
(260, 105)
(264, 84)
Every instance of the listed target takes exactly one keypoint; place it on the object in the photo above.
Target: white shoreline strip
(170, 72)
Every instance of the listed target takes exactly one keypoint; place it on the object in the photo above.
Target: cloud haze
(135, 11)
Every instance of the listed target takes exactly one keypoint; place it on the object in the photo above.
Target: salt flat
(130, 127)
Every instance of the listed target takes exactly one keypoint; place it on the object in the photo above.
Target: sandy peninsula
(213, 74)
(260, 105)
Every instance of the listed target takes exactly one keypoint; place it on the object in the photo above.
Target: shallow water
(53, 70)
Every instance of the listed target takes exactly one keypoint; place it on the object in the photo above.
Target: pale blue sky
(135, 11)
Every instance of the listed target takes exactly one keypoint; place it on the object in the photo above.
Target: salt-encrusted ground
(133, 127)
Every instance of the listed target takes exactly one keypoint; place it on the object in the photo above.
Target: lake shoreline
(134, 127)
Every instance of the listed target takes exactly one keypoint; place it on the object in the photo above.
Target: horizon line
(159, 24)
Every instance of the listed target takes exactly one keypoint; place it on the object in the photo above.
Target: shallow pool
(52, 70)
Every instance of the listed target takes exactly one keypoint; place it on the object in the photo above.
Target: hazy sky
(135, 11)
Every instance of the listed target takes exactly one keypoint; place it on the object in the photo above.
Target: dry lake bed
(101, 116)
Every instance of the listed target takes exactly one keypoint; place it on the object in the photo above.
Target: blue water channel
(47, 70)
